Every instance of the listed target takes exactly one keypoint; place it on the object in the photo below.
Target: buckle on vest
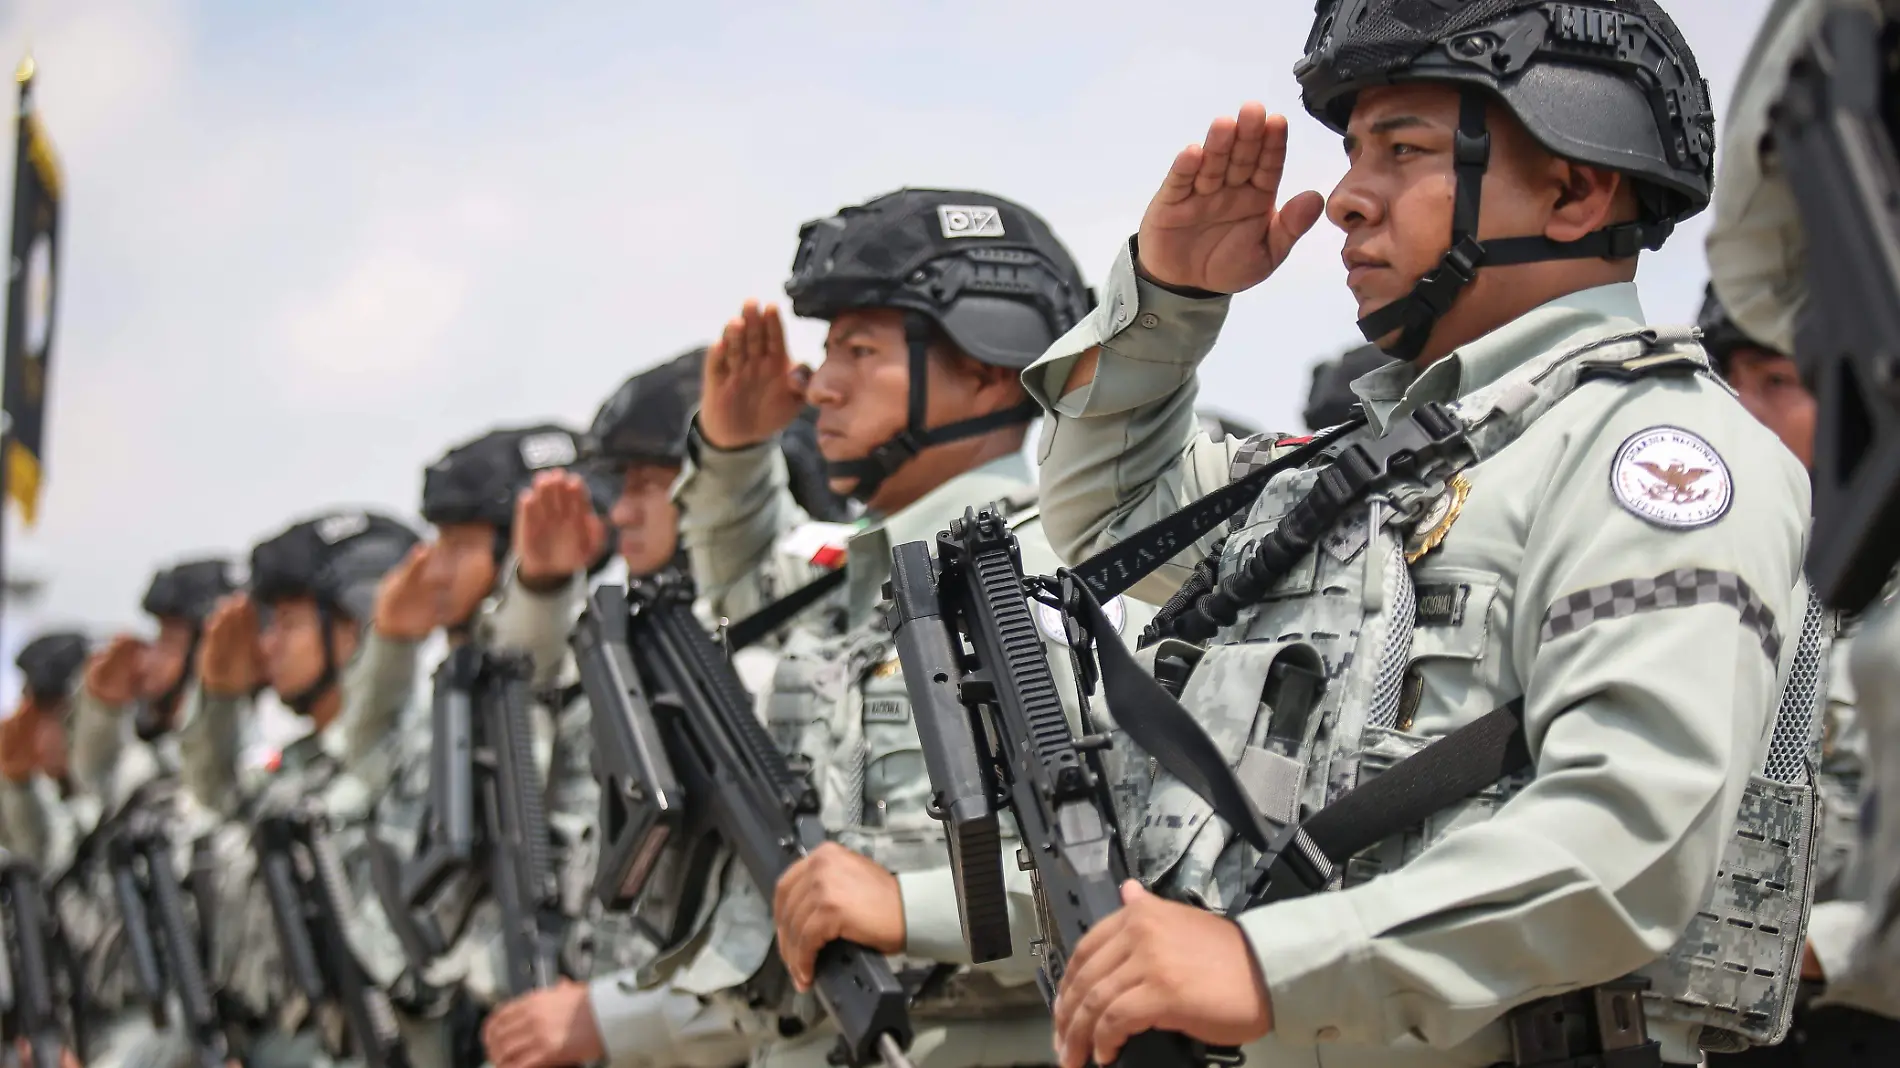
(1601, 1025)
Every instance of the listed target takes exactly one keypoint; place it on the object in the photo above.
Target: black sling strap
(779, 612)
(1113, 570)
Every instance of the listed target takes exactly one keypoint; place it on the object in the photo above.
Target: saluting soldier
(1554, 515)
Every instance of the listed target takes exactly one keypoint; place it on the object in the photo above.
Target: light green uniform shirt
(1644, 724)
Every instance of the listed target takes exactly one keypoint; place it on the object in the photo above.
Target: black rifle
(163, 940)
(486, 803)
(992, 725)
(304, 881)
(677, 683)
(1834, 136)
(36, 959)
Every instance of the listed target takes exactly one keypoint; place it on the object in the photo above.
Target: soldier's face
(862, 390)
(162, 661)
(1769, 385)
(645, 518)
(462, 569)
(1396, 200)
(292, 643)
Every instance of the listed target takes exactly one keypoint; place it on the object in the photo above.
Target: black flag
(33, 269)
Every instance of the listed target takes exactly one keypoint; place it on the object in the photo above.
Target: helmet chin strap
(1414, 315)
(883, 461)
(305, 701)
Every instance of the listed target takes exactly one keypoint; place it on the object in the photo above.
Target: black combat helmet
(986, 272)
(1721, 335)
(1600, 82)
(336, 559)
(51, 663)
(647, 419)
(188, 592)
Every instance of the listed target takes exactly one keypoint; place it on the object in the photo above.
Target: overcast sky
(310, 246)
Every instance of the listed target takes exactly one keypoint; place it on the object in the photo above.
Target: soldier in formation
(1528, 532)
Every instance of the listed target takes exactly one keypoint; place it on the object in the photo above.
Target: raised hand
(228, 657)
(411, 601)
(556, 533)
(751, 388)
(1216, 223)
(112, 673)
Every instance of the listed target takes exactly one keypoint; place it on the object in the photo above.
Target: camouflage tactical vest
(1351, 607)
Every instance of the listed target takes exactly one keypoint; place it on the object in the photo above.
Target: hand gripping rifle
(34, 960)
(675, 683)
(487, 822)
(304, 882)
(162, 939)
(994, 731)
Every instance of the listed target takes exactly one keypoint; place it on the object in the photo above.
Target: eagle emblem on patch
(1049, 619)
(1432, 527)
(1672, 478)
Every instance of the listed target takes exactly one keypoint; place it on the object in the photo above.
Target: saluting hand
(556, 532)
(751, 389)
(411, 600)
(228, 660)
(1158, 964)
(1216, 223)
(20, 743)
(831, 894)
(112, 673)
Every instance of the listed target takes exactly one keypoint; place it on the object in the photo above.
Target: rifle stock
(304, 881)
(1049, 777)
(677, 685)
(642, 802)
(31, 1011)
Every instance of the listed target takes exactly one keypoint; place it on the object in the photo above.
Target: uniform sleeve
(98, 741)
(933, 928)
(210, 731)
(377, 686)
(24, 821)
(1125, 450)
(533, 622)
(734, 505)
(659, 1027)
(1649, 692)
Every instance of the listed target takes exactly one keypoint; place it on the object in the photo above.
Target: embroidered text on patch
(969, 220)
(1671, 478)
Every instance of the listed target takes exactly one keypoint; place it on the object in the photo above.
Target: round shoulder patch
(1049, 620)
(1672, 478)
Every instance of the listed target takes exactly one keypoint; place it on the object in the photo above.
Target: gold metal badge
(886, 668)
(1437, 521)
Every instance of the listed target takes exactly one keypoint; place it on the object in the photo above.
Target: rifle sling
(775, 615)
(1113, 570)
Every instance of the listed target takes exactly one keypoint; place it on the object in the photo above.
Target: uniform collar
(868, 558)
(1394, 391)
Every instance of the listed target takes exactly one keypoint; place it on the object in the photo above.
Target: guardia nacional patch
(1049, 620)
(1672, 478)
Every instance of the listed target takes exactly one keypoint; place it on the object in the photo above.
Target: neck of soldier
(1500, 296)
(939, 464)
(325, 709)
